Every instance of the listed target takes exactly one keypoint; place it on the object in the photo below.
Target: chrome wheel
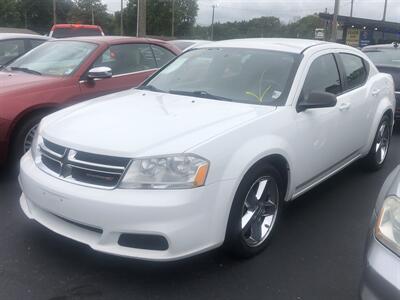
(259, 211)
(29, 138)
(382, 143)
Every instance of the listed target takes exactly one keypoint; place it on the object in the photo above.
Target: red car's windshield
(57, 58)
(74, 32)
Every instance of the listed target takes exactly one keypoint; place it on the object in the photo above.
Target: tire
(245, 237)
(380, 147)
(23, 135)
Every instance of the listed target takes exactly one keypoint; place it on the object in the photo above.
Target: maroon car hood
(17, 82)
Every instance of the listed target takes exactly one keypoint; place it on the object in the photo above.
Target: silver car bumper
(381, 276)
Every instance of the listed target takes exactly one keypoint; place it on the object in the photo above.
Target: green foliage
(159, 17)
(304, 28)
(81, 12)
(9, 15)
(38, 16)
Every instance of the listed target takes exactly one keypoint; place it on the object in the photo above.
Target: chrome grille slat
(62, 163)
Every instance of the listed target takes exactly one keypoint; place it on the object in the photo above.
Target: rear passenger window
(323, 76)
(162, 55)
(35, 43)
(356, 73)
(11, 49)
(127, 58)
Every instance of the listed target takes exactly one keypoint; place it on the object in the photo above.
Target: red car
(74, 30)
(62, 72)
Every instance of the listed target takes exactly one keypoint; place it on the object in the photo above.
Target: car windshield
(74, 32)
(58, 58)
(229, 74)
(384, 57)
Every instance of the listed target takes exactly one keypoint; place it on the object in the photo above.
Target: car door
(353, 103)
(131, 64)
(319, 131)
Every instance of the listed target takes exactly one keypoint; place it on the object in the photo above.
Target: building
(360, 32)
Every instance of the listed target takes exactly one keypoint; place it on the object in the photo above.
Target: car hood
(17, 82)
(140, 123)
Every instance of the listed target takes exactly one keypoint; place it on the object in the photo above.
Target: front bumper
(381, 276)
(192, 221)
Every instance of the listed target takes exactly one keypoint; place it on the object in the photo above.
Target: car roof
(8, 36)
(109, 39)
(76, 26)
(189, 41)
(382, 46)
(278, 44)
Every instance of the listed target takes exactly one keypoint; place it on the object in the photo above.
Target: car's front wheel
(380, 147)
(255, 211)
(24, 135)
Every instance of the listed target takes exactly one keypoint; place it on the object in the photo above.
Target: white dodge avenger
(206, 152)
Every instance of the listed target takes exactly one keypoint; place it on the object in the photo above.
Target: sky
(286, 10)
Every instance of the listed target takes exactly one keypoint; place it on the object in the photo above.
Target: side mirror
(100, 73)
(317, 100)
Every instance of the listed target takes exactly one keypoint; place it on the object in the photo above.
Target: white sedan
(206, 152)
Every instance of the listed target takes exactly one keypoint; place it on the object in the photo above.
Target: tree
(38, 15)
(9, 15)
(304, 28)
(159, 17)
(82, 13)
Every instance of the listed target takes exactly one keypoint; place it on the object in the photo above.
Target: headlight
(387, 228)
(182, 171)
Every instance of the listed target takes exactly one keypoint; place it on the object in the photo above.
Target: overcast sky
(286, 10)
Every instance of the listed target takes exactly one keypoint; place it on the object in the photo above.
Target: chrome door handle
(344, 106)
(375, 92)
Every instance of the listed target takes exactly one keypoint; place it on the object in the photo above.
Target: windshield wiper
(150, 88)
(26, 70)
(200, 94)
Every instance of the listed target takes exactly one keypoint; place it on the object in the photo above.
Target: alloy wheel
(259, 211)
(29, 138)
(382, 143)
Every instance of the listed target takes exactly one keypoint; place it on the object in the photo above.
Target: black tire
(373, 161)
(235, 240)
(22, 130)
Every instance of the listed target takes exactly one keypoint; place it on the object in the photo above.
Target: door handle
(375, 92)
(344, 106)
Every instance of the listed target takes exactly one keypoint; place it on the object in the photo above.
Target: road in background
(316, 253)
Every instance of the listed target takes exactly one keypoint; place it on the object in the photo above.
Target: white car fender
(385, 102)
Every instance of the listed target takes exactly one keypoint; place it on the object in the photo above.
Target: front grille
(82, 167)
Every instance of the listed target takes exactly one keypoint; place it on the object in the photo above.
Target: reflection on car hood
(140, 123)
(17, 82)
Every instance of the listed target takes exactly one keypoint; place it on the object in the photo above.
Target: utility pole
(212, 22)
(384, 10)
(137, 17)
(91, 7)
(141, 18)
(122, 17)
(334, 21)
(351, 9)
(54, 12)
(173, 19)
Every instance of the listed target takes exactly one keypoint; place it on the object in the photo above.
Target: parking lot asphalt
(317, 253)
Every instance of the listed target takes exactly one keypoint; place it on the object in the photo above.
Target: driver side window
(323, 76)
(127, 58)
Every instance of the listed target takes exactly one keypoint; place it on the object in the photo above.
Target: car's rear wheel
(380, 147)
(255, 211)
